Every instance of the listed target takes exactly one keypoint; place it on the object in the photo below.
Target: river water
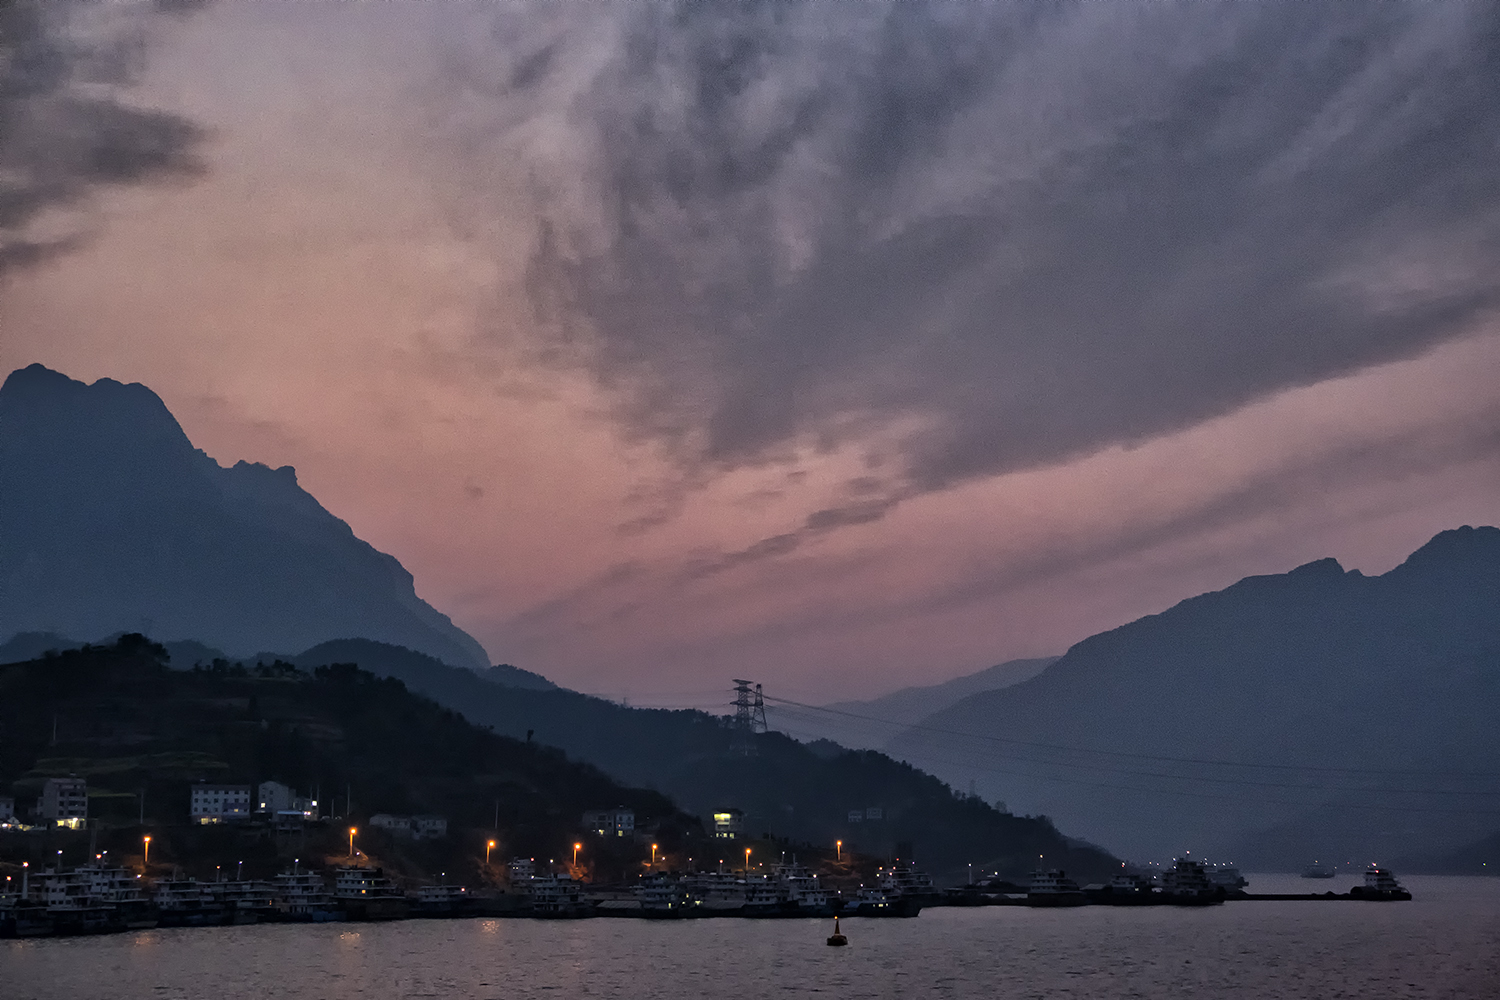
(1444, 943)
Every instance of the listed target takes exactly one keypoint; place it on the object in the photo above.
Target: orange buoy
(837, 940)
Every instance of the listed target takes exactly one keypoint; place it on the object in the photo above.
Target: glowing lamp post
(352, 831)
(147, 859)
(576, 849)
(653, 855)
(838, 846)
(747, 859)
(490, 846)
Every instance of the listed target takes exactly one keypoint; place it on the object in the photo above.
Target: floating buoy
(837, 940)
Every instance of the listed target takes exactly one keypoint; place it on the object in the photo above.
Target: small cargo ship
(1053, 888)
(1318, 870)
(1188, 884)
(1380, 884)
(366, 894)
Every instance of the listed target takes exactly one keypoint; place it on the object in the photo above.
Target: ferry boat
(301, 897)
(877, 902)
(188, 903)
(1379, 884)
(1053, 888)
(247, 902)
(557, 896)
(1130, 889)
(762, 897)
(661, 897)
(906, 882)
(715, 894)
(366, 894)
(802, 894)
(120, 891)
(1188, 884)
(69, 905)
(1228, 878)
(442, 901)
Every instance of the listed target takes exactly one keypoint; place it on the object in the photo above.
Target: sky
(838, 346)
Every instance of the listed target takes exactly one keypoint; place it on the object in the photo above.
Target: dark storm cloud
(1003, 234)
(64, 128)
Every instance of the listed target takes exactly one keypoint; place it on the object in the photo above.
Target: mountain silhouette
(1316, 713)
(110, 521)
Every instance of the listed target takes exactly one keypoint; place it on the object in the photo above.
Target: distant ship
(1318, 870)
(1053, 888)
(1379, 884)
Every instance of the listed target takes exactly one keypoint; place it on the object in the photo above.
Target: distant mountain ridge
(1366, 706)
(111, 521)
(871, 723)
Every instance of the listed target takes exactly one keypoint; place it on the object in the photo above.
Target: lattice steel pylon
(749, 716)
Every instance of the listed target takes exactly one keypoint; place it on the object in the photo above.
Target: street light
(747, 860)
(653, 855)
(487, 849)
(147, 859)
(352, 831)
(576, 849)
(839, 847)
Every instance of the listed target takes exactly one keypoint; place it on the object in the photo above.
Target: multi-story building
(275, 798)
(219, 803)
(617, 822)
(7, 808)
(65, 802)
(429, 827)
(424, 827)
(728, 823)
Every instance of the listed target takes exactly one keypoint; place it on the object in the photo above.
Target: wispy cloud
(65, 129)
(1018, 233)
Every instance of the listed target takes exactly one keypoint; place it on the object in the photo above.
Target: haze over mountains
(111, 521)
(1314, 713)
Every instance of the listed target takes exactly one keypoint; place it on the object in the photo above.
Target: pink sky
(329, 296)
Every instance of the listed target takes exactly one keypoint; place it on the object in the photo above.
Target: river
(1444, 943)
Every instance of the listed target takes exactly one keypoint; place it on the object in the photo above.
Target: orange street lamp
(576, 849)
(653, 855)
(352, 832)
(147, 859)
(487, 849)
(838, 846)
(747, 859)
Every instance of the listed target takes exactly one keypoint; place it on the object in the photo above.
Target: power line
(1114, 786)
(1136, 756)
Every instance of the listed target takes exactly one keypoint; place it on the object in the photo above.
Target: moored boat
(366, 894)
(1187, 884)
(1052, 887)
(1380, 884)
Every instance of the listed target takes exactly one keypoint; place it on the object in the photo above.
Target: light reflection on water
(1442, 944)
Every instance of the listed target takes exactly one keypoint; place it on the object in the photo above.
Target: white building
(424, 827)
(429, 827)
(617, 822)
(219, 803)
(65, 802)
(7, 808)
(275, 798)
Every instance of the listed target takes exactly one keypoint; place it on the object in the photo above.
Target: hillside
(787, 789)
(111, 521)
(871, 723)
(1366, 706)
(131, 726)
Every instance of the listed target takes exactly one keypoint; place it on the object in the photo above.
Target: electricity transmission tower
(749, 717)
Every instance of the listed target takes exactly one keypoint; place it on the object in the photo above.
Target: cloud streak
(65, 130)
(969, 238)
